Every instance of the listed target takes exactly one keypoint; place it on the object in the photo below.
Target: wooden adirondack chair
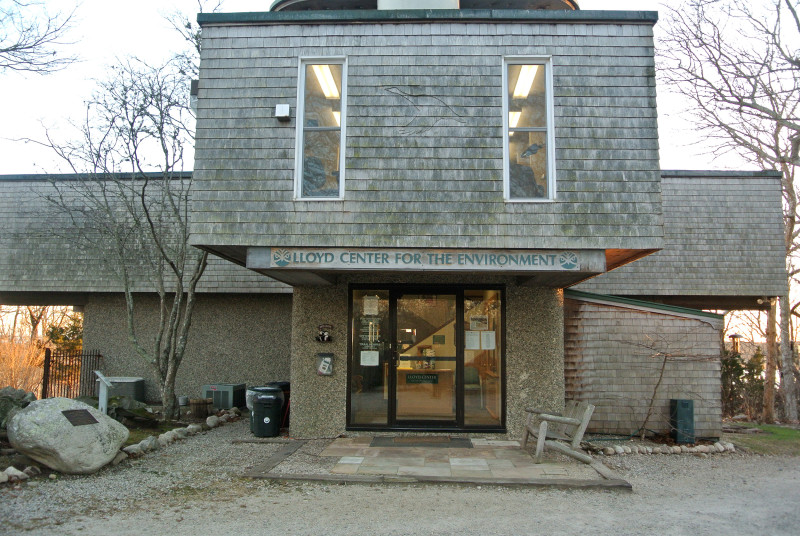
(567, 427)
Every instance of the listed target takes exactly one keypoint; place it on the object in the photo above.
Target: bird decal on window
(531, 150)
(428, 110)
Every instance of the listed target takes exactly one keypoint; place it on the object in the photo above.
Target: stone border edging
(699, 450)
(152, 443)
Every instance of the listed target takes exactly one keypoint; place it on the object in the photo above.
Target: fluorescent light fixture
(513, 119)
(337, 116)
(326, 81)
(525, 80)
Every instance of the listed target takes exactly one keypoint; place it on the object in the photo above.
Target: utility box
(681, 420)
(126, 386)
(225, 395)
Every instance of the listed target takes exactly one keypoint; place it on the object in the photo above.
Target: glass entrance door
(426, 358)
(426, 364)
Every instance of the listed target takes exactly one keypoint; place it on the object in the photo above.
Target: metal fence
(70, 374)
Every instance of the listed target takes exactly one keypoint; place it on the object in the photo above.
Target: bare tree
(190, 31)
(129, 204)
(30, 37)
(736, 63)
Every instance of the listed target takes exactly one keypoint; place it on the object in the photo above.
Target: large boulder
(43, 432)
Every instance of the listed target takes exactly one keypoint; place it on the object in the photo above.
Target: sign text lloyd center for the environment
(388, 259)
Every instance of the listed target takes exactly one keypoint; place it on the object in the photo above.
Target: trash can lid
(266, 389)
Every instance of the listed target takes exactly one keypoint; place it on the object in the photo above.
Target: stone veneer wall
(534, 351)
(610, 361)
(318, 402)
(234, 339)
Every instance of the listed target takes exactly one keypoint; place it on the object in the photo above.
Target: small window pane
(321, 163)
(527, 165)
(527, 105)
(323, 95)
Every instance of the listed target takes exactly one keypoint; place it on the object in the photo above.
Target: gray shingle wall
(610, 360)
(41, 254)
(723, 236)
(442, 187)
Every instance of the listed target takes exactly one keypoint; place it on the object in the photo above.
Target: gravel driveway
(193, 487)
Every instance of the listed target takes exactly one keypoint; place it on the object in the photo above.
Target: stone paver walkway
(487, 459)
(488, 462)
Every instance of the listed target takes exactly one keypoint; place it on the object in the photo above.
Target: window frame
(547, 63)
(304, 61)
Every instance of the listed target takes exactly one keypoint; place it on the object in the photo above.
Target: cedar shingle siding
(611, 360)
(41, 255)
(442, 187)
(723, 236)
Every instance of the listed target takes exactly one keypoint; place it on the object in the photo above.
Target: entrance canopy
(319, 266)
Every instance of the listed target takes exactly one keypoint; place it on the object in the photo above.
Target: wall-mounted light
(525, 81)
(326, 81)
(282, 112)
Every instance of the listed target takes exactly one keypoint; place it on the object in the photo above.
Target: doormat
(428, 442)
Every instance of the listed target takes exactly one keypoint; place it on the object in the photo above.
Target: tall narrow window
(320, 132)
(529, 174)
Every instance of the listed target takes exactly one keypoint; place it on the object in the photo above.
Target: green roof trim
(577, 294)
(418, 15)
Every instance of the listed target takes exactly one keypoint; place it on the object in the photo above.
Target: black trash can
(285, 388)
(265, 420)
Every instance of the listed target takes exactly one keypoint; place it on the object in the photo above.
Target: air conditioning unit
(225, 395)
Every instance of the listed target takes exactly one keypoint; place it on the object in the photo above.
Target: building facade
(425, 183)
(441, 175)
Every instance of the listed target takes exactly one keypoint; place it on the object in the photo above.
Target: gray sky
(109, 29)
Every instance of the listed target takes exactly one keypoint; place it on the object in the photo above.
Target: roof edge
(414, 15)
(639, 304)
(34, 177)
(718, 174)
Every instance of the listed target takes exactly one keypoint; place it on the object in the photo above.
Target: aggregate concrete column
(318, 402)
(534, 353)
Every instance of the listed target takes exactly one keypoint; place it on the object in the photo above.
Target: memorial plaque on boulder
(79, 417)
